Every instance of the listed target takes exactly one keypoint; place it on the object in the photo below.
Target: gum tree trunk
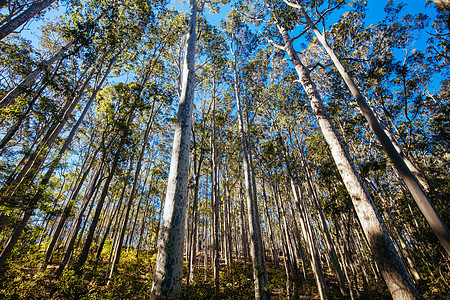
(24, 17)
(394, 153)
(169, 261)
(92, 229)
(29, 80)
(256, 250)
(118, 246)
(388, 260)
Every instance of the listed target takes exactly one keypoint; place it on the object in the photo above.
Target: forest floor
(133, 277)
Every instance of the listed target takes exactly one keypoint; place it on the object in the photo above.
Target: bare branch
(321, 16)
(252, 18)
(301, 33)
(318, 64)
(278, 46)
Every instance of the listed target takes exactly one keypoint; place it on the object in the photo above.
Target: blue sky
(374, 15)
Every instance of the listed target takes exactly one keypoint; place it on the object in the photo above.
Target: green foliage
(144, 42)
(131, 281)
(236, 282)
(71, 286)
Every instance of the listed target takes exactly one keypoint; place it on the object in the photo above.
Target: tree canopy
(244, 149)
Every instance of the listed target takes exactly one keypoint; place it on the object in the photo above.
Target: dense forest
(242, 149)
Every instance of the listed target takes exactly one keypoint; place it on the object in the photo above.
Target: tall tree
(24, 17)
(169, 261)
(391, 266)
(256, 246)
(418, 193)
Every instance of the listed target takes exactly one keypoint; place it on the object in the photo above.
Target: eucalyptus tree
(391, 266)
(397, 86)
(241, 46)
(199, 149)
(212, 48)
(278, 110)
(393, 152)
(88, 163)
(33, 202)
(154, 94)
(169, 262)
(18, 181)
(81, 38)
(43, 104)
(24, 17)
(128, 110)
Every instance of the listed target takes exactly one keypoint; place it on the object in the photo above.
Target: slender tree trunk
(391, 266)
(78, 218)
(270, 227)
(113, 219)
(215, 195)
(289, 265)
(328, 240)
(15, 127)
(67, 210)
(85, 251)
(315, 259)
(135, 216)
(36, 159)
(205, 246)
(118, 246)
(227, 223)
(144, 219)
(404, 248)
(31, 205)
(257, 216)
(420, 197)
(44, 182)
(193, 243)
(122, 226)
(244, 234)
(256, 250)
(24, 17)
(169, 261)
(29, 80)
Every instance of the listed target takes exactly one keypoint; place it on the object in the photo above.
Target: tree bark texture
(24, 17)
(256, 250)
(169, 261)
(388, 260)
(406, 173)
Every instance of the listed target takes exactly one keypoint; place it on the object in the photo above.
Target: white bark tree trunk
(256, 249)
(389, 262)
(169, 261)
(393, 151)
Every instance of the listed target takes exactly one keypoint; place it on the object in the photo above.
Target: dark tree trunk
(85, 251)
(24, 17)
(78, 218)
(31, 206)
(67, 210)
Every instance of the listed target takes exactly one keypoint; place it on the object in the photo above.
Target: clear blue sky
(374, 15)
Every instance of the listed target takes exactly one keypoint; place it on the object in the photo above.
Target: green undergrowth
(132, 279)
(235, 282)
